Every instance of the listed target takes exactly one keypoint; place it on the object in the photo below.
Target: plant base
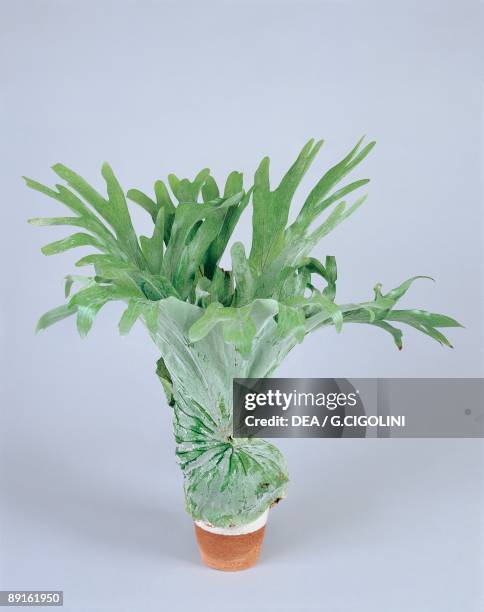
(230, 549)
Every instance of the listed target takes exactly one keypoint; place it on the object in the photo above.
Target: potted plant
(211, 324)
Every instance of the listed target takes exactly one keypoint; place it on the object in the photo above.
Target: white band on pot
(241, 530)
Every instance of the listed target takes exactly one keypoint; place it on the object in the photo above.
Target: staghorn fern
(212, 324)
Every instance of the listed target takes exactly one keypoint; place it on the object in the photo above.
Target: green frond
(181, 258)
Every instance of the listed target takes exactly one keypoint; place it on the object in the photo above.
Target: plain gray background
(91, 497)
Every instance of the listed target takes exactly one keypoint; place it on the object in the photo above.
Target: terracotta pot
(231, 548)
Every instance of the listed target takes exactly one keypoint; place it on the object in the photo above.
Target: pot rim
(238, 530)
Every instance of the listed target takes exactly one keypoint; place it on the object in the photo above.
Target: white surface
(240, 530)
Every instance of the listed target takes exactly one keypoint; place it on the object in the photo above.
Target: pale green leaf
(71, 242)
(140, 198)
(129, 317)
(54, 316)
(244, 282)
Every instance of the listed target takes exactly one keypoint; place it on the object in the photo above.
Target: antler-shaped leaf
(182, 256)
